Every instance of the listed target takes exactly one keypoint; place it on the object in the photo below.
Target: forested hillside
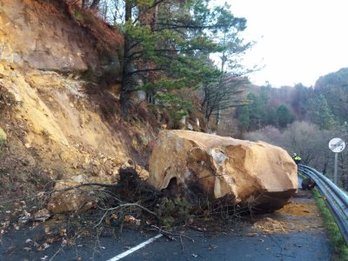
(301, 119)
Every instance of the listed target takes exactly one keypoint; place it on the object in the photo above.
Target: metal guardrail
(336, 199)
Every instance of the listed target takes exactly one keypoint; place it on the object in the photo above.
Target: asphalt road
(226, 246)
(279, 236)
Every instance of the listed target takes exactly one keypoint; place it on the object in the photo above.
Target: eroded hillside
(59, 124)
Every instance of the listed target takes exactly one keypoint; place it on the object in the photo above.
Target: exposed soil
(300, 215)
(59, 105)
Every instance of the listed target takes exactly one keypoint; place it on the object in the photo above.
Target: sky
(297, 40)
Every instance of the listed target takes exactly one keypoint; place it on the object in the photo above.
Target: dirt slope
(59, 125)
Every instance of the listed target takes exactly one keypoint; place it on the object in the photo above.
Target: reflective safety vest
(297, 158)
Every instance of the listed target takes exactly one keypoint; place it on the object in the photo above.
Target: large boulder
(253, 174)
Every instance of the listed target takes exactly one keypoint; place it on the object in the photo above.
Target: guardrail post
(335, 169)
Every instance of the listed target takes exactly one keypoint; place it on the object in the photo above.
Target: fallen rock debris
(253, 174)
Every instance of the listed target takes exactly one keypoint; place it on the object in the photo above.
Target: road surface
(294, 233)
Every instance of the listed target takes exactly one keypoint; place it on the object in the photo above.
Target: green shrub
(173, 211)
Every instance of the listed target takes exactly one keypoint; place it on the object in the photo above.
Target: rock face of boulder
(253, 174)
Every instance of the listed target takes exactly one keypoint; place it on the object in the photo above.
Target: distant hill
(334, 87)
(326, 104)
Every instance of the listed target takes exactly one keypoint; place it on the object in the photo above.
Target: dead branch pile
(133, 201)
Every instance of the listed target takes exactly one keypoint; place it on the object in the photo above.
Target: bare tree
(304, 138)
(228, 92)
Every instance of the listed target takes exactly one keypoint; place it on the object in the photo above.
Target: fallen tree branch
(125, 205)
(102, 218)
(170, 235)
(85, 185)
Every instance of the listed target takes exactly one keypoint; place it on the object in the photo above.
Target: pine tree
(244, 118)
(320, 113)
(284, 117)
(167, 45)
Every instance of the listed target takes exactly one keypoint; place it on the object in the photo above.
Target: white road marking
(133, 249)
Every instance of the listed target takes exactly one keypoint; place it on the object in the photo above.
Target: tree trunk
(95, 4)
(218, 117)
(126, 76)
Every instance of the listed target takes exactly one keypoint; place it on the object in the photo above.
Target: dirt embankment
(60, 125)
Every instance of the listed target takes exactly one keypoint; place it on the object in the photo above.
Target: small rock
(43, 247)
(42, 215)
